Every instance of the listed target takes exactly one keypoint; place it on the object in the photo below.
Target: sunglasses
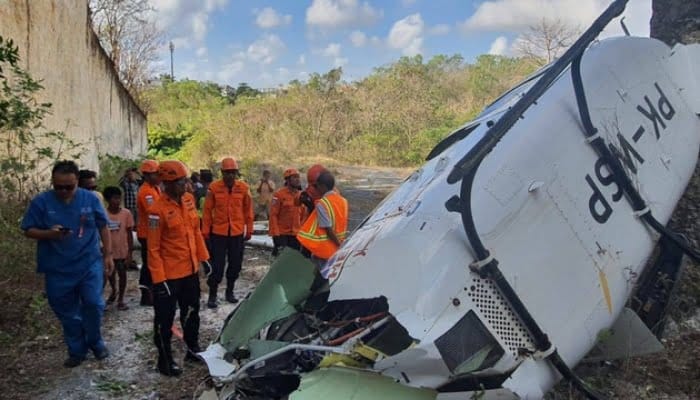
(63, 188)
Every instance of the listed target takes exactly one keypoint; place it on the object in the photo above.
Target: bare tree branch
(129, 34)
(546, 40)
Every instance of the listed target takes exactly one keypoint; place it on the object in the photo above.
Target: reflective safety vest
(314, 238)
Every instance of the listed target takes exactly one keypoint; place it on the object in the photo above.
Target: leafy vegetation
(392, 117)
(27, 150)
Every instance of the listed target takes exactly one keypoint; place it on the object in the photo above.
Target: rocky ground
(34, 371)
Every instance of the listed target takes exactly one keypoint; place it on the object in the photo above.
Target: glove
(306, 200)
(162, 290)
(247, 237)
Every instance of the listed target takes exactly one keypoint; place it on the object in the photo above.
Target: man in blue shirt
(68, 223)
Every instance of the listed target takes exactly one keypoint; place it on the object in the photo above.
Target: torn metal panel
(286, 285)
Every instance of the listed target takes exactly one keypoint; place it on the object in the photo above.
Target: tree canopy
(394, 116)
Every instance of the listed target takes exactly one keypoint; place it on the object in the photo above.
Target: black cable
(465, 170)
(500, 128)
(616, 168)
(492, 272)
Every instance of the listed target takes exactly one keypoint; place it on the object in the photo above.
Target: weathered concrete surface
(57, 45)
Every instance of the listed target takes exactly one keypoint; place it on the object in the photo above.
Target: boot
(211, 302)
(191, 355)
(229, 295)
(166, 365)
(146, 297)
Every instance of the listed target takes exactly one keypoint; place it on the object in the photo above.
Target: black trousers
(283, 241)
(223, 249)
(288, 241)
(145, 281)
(185, 294)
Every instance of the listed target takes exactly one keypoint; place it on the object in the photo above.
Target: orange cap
(149, 166)
(289, 172)
(314, 172)
(228, 164)
(172, 170)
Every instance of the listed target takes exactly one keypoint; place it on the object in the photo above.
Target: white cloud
(269, 18)
(340, 61)
(408, 3)
(266, 49)
(499, 47)
(332, 50)
(358, 38)
(519, 15)
(341, 14)
(302, 60)
(407, 35)
(230, 72)
(185, 20)
(439, 29)
(202, 52)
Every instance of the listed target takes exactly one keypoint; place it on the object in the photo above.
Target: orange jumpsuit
(286, 214)
(228, 212)
(147, 196)
(175, 242)
(227, 221)
(175, 249)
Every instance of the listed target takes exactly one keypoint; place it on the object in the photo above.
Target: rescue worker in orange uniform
(311, 195)
(148, 194)
(227, 222)
(326, 228)
(286, 212)
(175, 250)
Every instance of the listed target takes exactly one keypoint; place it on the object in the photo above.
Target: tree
(546, 40)
(129, 34)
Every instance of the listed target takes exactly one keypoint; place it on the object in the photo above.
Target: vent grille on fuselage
(499, 316)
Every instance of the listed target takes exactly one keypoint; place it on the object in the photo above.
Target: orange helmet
(172, 170)
(313, 173)
(228, 164)
(289, 172)
(149, 166)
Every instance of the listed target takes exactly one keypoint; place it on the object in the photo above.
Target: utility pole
(172, 73)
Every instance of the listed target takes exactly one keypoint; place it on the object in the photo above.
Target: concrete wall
(56, 44)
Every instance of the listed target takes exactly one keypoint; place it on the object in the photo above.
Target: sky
(267, 43)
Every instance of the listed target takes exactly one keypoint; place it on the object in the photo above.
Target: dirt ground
(33, 370)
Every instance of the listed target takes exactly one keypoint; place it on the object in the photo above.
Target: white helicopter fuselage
(547, 208)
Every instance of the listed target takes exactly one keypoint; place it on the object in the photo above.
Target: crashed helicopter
(506, 258)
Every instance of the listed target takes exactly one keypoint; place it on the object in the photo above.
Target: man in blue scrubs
(68, 223)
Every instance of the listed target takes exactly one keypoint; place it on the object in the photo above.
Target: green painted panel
(285, 286)
(355, 384)
(259, 348)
